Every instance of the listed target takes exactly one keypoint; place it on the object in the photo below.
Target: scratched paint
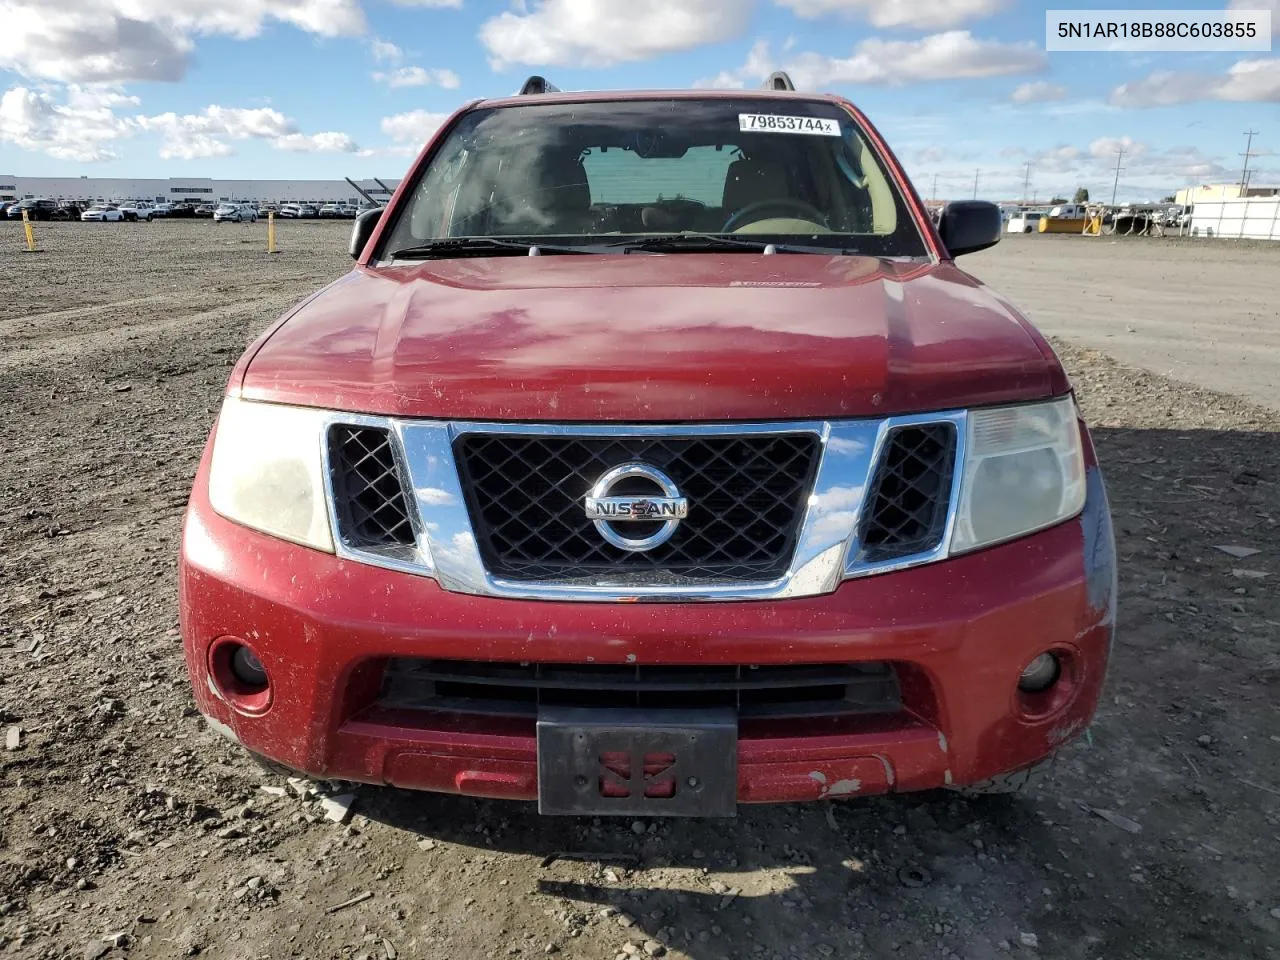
(1099, 546)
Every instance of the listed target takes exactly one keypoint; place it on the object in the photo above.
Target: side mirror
(362, 230)
(968, 226)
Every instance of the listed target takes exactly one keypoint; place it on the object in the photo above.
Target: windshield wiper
(698, 242)
(480, 246)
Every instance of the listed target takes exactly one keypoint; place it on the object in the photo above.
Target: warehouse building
(192, 189)
(1218, 192)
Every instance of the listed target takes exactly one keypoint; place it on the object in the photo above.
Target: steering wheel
(789, 204)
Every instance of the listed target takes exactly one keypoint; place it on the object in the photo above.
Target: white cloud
(419, 77)
(1272, 5)
(384, 51)
(918, 14)
(433, 4)
(115, 41)
(1106, 148)
(1256, 81)
(413, 128)
(954, 55)
(188, 145)
(758, 65)
(328, 142)
(1040, 91)
(598, 33)
(85, 128)
(87, 46)
(199, 135)
(192, 136)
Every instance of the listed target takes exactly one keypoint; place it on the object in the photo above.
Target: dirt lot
(1206, 313)
(128, 829)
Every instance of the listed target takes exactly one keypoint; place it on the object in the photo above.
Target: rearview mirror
(968, 226)
(363, 229)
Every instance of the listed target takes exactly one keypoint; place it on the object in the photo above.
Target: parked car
(103, 212)
(475, 522)
(1028, 221)
(330, 210)
(36, 209)
(182, 210)
(235, 212)
(308, 211)
(162, 209)
(290, 211)
(1067, 211)
(205, 209)
(137, 210)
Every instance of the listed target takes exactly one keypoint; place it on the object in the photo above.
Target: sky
(963, 90)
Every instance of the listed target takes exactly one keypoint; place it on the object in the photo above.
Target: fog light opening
(248, 668)
(1040, 674)
(239, 677)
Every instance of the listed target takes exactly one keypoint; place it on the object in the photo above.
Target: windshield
(785, 170)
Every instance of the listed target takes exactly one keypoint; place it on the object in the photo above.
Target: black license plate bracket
(625, 762)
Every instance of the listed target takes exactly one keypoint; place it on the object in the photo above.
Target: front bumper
(958, 632)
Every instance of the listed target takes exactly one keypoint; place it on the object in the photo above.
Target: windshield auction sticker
(777, 123)
(1186, 31)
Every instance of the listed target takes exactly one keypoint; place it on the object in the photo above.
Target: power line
(1116, 184)
(1244, 174)
(1026, 184)
(975, 183)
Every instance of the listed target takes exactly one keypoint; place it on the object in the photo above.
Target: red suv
(655, 457)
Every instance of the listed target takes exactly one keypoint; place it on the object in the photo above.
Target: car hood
(651, 338)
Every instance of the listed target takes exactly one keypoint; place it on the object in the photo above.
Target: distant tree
(1082, 196)
(1057, 200)
(1170, 199)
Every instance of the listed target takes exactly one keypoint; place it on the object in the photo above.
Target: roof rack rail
(536, 84)
(779, 80)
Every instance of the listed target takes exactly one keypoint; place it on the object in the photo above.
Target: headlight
(267, 471)
(1023, 471)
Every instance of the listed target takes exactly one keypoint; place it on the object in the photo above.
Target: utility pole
(1026, 184)
(1244, 174)
(975, 183)
(934, 197)
(1116, 185)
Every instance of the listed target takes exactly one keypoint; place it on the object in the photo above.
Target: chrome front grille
(746, 499)
(764, 511)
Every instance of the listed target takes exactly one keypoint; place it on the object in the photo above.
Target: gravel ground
(1204, 311)
(129, 829)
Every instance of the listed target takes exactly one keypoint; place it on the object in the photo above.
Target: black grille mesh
(746, 497)
(369, 494)
(907, 509)
(519, 689)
